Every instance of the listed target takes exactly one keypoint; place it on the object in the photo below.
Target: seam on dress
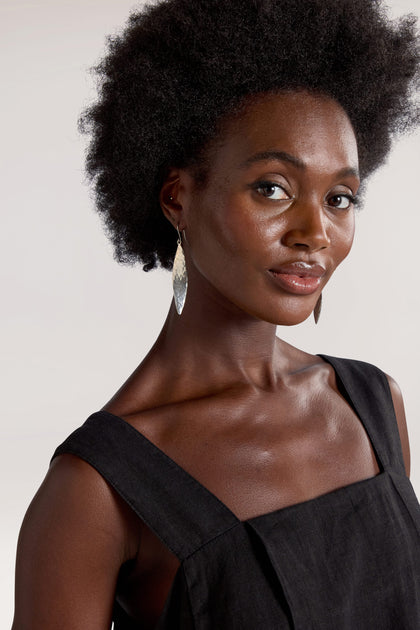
(210, 540)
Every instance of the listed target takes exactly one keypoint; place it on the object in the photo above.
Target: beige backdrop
(75, 323)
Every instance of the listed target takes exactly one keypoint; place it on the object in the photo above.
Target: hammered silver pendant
(179, 279)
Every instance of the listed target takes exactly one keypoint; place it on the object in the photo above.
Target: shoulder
(76, 497)
(76, 535)
(372, 377)
(80, 472)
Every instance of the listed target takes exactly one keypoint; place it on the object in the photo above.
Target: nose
(307, 227)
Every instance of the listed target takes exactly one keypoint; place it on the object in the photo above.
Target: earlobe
(169, 199)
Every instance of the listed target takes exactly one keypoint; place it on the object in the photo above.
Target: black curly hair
(180, 65)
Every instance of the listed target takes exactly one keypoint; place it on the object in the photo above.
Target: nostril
(304, 246)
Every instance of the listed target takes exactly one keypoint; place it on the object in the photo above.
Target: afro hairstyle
(179, 66)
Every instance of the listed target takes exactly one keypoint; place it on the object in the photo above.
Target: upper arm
(72, 544)
(397, 399)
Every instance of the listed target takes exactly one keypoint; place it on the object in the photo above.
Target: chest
(259, 453)
(255, 453)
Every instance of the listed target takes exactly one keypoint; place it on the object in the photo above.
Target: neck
(217, 344)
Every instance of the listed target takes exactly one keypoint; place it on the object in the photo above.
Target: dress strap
(366, 388)
(179, 510)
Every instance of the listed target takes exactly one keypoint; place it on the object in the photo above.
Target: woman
(235, 481)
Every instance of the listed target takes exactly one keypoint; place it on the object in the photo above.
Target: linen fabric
(346, 560)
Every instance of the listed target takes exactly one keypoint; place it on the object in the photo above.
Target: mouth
(299, 278)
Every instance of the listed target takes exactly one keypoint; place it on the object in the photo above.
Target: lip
(299, 278)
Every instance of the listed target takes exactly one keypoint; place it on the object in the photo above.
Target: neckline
(212, 498)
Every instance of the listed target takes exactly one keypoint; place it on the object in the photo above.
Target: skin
(259, 423)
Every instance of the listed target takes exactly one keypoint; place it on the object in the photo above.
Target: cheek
(223, 227)
(208, 235)
(344, 239)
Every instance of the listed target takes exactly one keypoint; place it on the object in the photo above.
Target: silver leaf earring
(317, 309)
(179, 277)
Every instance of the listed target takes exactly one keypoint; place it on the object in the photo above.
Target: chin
(283, 318)
(293, 321)
(288, 312)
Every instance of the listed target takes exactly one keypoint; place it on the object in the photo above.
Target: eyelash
(269, 184)
(352, 199)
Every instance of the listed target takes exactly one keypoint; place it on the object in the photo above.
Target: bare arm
(402, 423)
(75, 536)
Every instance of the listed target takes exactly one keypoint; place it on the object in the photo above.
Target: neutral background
(75, 323)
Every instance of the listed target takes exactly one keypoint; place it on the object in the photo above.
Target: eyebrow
(283, 156)
(280, 156)
(349, 171)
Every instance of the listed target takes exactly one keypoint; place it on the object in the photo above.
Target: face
(276, 214)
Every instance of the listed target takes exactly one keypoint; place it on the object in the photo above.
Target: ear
(171, 199)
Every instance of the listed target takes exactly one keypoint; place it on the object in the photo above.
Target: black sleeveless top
(346, 560)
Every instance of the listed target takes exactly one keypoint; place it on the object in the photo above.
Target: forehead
(314, 128)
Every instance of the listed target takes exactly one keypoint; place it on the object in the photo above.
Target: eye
(271, 190)
(341, 201)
